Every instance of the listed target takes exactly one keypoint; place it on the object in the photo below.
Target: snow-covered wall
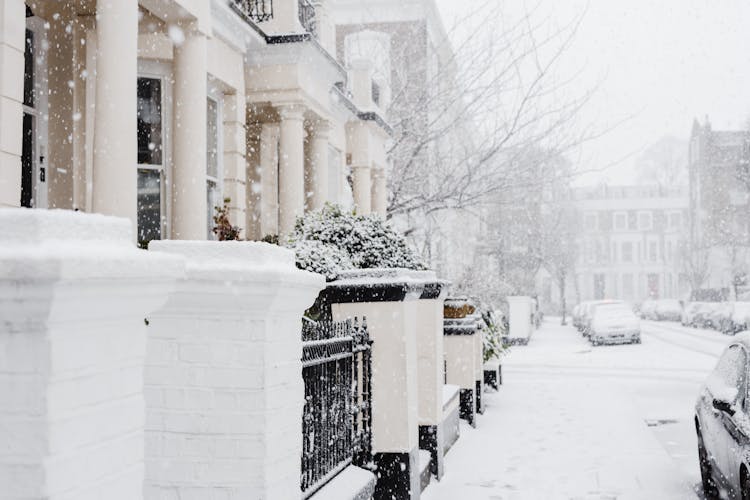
(224, 387)
(74, 292)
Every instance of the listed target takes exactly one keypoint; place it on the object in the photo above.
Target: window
(376, 93)
(645, 221)
(730, 370)
(627, 252)
(621, 221)
(213, 164)
(652, 251)
(150, 159)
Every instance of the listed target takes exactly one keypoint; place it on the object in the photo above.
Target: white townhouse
(157, 110)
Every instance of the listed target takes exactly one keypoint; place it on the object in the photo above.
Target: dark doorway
(27, 161)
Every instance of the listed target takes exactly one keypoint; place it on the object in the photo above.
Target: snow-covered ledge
(74, 292)
(224, 389)
(388, 299)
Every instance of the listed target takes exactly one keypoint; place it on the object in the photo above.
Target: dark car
(722, 421)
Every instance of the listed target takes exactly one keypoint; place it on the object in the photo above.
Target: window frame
(217, 97)
(624, 216)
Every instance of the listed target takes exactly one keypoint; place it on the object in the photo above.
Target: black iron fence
(307, 16)
(336, 422)
(255, 10)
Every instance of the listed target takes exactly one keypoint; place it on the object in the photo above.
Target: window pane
(212, 139)
(149, 122)
(149, 205)
(213, 199)
(28, 74)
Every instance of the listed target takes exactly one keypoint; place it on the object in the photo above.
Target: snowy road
(576, 422)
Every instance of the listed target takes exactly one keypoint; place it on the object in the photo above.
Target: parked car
(588, 312)
(614, 323)
(722, 414)
(689, 313)
(647, 309)
(661, 310)
(702, 313)
(740, 318)
(719, 315)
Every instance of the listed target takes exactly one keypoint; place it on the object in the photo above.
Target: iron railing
(307, 16)
(337, 419)
(255, 10)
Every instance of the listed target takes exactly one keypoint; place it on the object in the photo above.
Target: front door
(34, 138)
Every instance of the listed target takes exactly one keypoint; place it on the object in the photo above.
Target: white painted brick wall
(73, 294)
(223, 384)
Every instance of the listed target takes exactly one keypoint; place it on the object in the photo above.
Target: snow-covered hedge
(331, 240)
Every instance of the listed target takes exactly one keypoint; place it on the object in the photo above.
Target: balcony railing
(307, 16)
(255, 10)
(336, 421)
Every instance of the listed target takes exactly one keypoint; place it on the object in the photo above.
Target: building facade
(630, 242)
(158, 110)
(431, 131)
(719, 206)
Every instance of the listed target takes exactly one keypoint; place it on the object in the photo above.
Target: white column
(317, 176)
(379, 192)
(12, 29)
(115, 144)
(291, 166)
(269, 179)
(362, 188)
(235, 167)
(189, 186)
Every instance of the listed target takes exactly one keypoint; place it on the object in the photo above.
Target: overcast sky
(663, 62)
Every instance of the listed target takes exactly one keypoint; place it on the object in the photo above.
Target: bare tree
(664, 163)
(694, 258)
(462, 136)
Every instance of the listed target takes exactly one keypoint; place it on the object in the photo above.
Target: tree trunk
(561, 284)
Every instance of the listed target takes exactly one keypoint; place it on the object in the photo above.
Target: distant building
(630, 242)
(719, 208)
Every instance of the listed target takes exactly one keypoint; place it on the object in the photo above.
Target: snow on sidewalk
(551, 436)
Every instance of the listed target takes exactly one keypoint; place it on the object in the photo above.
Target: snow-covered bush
(493, 336)
(317, 257)
(354, 242)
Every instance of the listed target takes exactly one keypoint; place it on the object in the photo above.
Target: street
(573, 421)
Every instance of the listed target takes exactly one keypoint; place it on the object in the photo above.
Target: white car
(614, 324)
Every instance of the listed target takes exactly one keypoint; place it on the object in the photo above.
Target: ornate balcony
(307, 16)
(255, 10)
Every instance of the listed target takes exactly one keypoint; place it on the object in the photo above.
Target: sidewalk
(550, 436)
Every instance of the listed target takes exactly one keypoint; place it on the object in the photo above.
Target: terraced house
(157, 110)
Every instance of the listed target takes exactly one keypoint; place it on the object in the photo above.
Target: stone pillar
(269, 179)
(254, 186)
(235, 162)
(379, 192)
(74, 292)
(461, 331)
(291, 166)
(362, 189)
(317, 175)
(12, 36)
(223, 378)
(430, 374)
(389, 304)
(358, 142)
(189, 131)
(115, 190)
